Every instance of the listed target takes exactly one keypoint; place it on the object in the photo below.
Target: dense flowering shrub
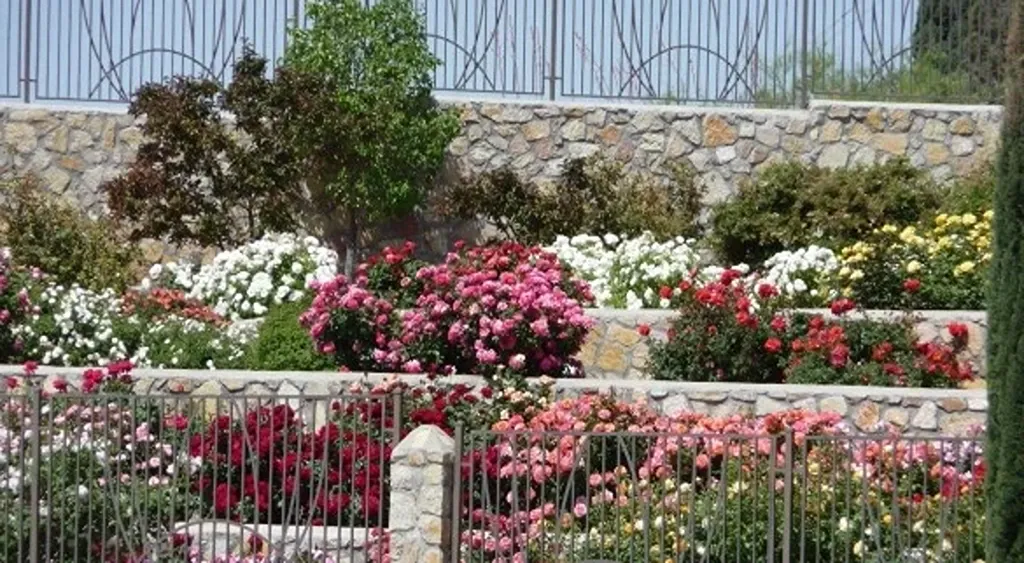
(15, 305)
(722, 334)
(74, 326)
(244, 282)
(801, 275)
(485, 310)
(943, 266)
(627, 272)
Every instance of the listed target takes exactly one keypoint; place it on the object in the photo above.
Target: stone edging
(866, 409)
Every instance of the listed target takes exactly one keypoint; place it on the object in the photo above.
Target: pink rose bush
(486, 310)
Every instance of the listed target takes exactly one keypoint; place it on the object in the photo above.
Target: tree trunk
(1005, 429)
(352, 244)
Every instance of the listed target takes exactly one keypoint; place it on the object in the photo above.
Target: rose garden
(295, 334)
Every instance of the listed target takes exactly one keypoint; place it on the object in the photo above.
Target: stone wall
(615, 350)
(75, 150)
(866, 409)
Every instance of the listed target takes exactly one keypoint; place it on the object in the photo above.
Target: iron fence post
(397, 415)
(456, 504)
(787, 497)
(554, 35)
(35, 473)
(805, 95)
(26, 63)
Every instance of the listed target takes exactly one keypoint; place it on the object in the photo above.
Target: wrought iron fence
(740, 52)
(618, 497)
(185, 478)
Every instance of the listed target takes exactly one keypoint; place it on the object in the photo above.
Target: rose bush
(485, 310)
(728, 330)
(944, 266)
(244, 282)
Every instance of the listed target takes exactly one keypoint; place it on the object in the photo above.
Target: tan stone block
(963, 125)
(588, 352)
(21, 136)
(612, 359)
(860, 133)
(936, 153)
(892, 143)
(832, 132)
(718, 132)
(875, 120)
(953, 404)
(897, 417)
(537, 130)
(431, 529)
(899, 120)
(625, 336)
(867, 416)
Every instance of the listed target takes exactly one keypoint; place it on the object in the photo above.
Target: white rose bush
(243, 283)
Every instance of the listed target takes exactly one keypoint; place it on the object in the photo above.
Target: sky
(694, 51)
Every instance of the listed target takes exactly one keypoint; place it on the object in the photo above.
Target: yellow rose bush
(941, 266)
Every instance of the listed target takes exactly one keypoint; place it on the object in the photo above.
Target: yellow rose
(844, 271)
(941, 219)
(857, 275)
(988, 215)
(847, 292)
(887, 519)
(913, 267)
(963, 268)
(969, 219)
(954, 220)
(908, 234)
(889, 229)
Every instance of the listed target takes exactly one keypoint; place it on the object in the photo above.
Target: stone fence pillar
(422, 487)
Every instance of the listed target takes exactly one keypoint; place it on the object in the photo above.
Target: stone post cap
(427, 439)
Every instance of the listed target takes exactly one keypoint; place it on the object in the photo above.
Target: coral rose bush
(485, 310)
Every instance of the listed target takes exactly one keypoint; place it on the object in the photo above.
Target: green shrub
(971, 194)
(592, 196)
(283, 345)
(45, 232)
(792, 205)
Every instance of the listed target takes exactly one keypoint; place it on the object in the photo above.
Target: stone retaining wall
(74, 150)
(615, 350)
(867, 409)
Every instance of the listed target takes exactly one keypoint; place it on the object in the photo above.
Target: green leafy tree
(378, 156)
(1005, 451)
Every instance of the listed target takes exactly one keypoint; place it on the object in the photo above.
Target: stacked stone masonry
(919, 412)
(74, 151)
(615, 349)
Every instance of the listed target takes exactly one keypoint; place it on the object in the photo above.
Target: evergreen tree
(1005, 449)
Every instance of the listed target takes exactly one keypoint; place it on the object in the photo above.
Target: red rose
(778, 324)
(30, 367)
(12, 382)
(487, 392)
(767, 290)
(745, 319)
(912, 285)
(225, 499)
(773, 345)
(958, 331)
(842, 306)
(839, 356)
(644, 329)
(665, 292)
(729, 276)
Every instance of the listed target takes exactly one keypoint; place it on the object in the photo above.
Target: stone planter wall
(75, 150)
(615, 350)
(922, 412)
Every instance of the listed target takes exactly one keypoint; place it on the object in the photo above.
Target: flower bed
(539, 449)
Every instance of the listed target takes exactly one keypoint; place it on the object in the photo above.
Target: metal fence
(740, 52)
(589, 497)
(111, 478)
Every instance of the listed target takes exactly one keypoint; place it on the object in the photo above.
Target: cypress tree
(1005, 449)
